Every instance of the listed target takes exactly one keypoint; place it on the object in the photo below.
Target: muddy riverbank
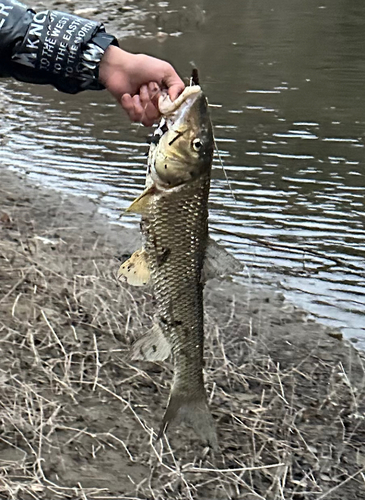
(77, 417)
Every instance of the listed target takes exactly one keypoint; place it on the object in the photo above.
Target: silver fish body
(174, 225)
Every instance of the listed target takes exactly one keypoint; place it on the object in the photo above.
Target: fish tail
(194, 411)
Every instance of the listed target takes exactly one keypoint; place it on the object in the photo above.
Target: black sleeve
(51, 47)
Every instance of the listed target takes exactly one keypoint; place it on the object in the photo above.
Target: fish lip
(175, 113)
(168, 107)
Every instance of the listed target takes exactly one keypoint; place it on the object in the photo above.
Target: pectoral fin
(140, 204)
(135, 271)
(153, 346)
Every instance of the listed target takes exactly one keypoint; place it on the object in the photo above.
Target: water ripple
(298, 218)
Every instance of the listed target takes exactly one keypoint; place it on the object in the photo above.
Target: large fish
(174, 208)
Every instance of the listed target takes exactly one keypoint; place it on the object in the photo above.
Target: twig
(350, 478)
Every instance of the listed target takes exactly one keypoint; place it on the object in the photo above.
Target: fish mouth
(182, 147)
(187, 110)
(173, 113)
(168, 108)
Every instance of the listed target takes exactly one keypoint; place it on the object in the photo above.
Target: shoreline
(279, 382)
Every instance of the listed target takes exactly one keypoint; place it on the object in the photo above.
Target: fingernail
(153, 87)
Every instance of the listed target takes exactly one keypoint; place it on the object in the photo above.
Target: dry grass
(78, 419)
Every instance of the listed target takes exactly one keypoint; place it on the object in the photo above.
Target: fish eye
(197, 144)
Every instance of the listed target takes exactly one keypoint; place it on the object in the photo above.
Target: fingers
(141, 107)
(173, 83)
(154, 93)
(133, 107)
(131, 78)
(149, 99)
(149, 96)
(128, 106)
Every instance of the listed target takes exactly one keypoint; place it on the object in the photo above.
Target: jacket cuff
(92, 55)
(62, 50)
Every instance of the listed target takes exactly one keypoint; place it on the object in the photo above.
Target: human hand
(136, 80)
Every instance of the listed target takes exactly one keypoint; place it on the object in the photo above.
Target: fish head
(184, 151)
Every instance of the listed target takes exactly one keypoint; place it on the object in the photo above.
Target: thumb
(175, 90)
(174, 85)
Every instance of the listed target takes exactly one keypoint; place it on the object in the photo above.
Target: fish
(174, 227)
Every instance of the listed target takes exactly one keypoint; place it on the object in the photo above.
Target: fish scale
(179, 223)
(174, 209)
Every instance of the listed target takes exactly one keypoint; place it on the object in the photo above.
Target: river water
(287, 83)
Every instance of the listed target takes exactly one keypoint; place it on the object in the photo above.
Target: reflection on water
(290, 80)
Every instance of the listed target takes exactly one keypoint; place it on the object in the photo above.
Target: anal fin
(135, 271)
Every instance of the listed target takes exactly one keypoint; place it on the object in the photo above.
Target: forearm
(75, 54)
(51, 47)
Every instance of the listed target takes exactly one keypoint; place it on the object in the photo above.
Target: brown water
(288, 82)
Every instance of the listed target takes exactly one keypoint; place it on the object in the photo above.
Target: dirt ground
(78, 418)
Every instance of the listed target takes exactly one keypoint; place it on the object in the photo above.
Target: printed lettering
(32, 45)
(61, 51)
(44, 63)
(37, 24)
(61, 23)
(47, 51)
(55, 33)
(83, 31)
(50, 40)
(35, 30)
(5, 9)
(26, 59)
(71, 29)
(73, 53)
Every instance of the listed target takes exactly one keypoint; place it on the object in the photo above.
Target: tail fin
(194, 411)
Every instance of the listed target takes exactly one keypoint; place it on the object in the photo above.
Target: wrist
(113, 59)
(106, 64)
